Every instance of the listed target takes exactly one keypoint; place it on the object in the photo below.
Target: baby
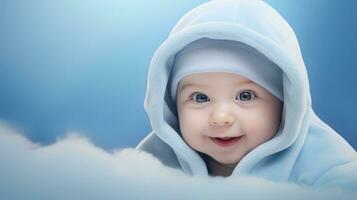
(228, 95)
(223, 113)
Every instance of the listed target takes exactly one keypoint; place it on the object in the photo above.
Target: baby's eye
(200, 97)
(245, 96)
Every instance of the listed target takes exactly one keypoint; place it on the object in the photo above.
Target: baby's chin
(227, 161)
(229, 158)
(222, 158)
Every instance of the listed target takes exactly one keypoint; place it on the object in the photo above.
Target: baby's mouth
(225, 141)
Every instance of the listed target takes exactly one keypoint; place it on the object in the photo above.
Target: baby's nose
(222, 117)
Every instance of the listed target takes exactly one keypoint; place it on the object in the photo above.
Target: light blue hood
(305, 151)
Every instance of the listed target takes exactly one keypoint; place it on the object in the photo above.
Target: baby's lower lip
(226, 142)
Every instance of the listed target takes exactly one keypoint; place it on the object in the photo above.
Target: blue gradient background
(82, 65)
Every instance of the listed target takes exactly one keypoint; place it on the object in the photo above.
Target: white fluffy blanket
(73, 168)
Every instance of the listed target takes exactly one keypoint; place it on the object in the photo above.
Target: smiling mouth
(225, 141)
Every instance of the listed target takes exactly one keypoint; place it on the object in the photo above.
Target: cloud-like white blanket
(73, 168)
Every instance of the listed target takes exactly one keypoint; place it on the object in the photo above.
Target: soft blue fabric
(306, 151)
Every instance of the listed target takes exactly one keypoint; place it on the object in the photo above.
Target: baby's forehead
(211, 79)
(208, 55)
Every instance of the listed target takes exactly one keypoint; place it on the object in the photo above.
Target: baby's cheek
(259, 123)
(192, 126)
(191, 122)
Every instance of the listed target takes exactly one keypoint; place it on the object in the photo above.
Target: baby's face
(225, 115)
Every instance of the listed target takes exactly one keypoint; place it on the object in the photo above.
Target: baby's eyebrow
(247, 82)
(190, 85)
(204, 86)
